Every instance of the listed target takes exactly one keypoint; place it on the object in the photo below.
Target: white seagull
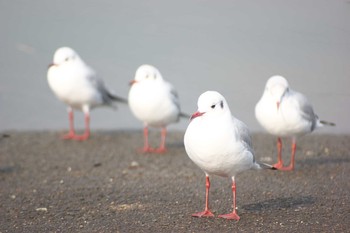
(155, 102)
(219, 144)
(76, 84)
(284, 112)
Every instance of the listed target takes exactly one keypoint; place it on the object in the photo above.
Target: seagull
(284, 112)
(219, 144)
(76, 84)
(155, 102)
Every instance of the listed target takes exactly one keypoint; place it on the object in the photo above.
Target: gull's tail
(117, 98)
(185, 115)
(327, 123)
(265, 166)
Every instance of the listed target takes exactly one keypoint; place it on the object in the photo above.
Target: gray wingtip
(118, 98)
(267, 166)
(185, 115)
(327, 123)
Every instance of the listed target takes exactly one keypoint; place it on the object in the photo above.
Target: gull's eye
(67, 59)
(222, 104)
(213, 106)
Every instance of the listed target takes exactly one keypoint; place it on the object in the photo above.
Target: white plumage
(153, 101)
(284, 112)
(218, 143)
(77, 85)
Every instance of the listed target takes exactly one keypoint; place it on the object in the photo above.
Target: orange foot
(69, 135)
(278, 165)
(147, 149)
(232, 215)
(160, 150)
(205, 213)
(73, 136)
(289, 168)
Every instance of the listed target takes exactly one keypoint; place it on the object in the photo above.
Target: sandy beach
(104, 185)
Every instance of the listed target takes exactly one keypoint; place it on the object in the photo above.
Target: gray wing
(243, 133)
(306, 109)
(99, 85)
(174, 96)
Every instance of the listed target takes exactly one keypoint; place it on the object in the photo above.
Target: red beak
(132, 82)
(196, 114)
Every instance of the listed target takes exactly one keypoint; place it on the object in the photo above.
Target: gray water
(229, 46)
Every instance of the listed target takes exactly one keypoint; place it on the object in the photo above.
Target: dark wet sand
(104, 185)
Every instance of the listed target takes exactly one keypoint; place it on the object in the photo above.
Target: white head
(64, 55)
(277, 86)
(147, 73)
(211, 103)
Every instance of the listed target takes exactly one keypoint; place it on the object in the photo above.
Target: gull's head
(277, 86)
(64, 55)
(211, 103)
(147, 74)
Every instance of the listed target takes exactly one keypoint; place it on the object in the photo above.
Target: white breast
(153, 104)
(215, 148)
(285, 121)
(73, 86)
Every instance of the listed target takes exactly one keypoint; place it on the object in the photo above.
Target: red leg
(146, 148)
(206, 212)
(291, 165)
(162, 148)
(279, 163)
(86, 134)
(234, 214)
(71, 132)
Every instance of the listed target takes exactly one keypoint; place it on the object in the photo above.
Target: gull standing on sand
(155, 102)
(77, 85)
(284, 112)
(219, 144)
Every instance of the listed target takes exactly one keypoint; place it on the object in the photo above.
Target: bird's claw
(205, 213)
(232, 215)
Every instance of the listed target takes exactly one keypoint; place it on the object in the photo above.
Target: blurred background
(229, 46)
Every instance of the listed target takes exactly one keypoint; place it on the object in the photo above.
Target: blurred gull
(284, 112)
(155, 102)
(76, 84)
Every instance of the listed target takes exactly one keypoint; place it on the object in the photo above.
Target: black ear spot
(213, 106)
(222, 104)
